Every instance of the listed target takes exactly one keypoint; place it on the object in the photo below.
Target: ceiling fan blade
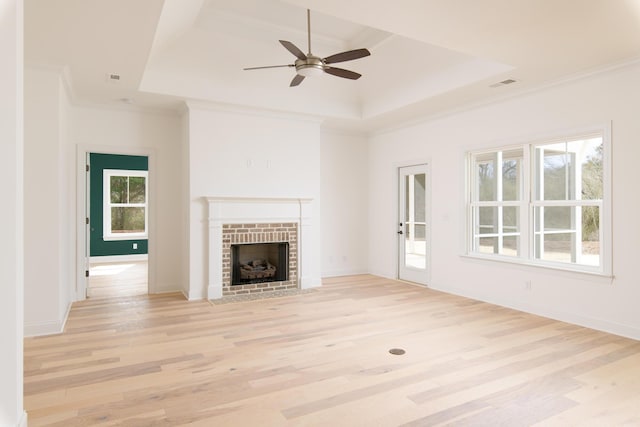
(293, 49)
(268, 66)
(340, 72)
(296, 80)
(349, 55)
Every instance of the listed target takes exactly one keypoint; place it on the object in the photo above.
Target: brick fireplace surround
(259, 233)
(235, 220)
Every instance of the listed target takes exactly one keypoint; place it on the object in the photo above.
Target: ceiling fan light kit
(310, 65)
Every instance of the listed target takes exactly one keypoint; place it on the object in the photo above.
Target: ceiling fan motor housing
(311, 66)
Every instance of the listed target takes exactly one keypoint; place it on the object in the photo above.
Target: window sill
(125, 237)
(543, 266)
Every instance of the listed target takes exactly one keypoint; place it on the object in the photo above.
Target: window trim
(528, 204)
(107, 235)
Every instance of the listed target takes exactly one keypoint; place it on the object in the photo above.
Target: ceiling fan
(312, 65)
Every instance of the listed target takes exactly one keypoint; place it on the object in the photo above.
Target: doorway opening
(115, 260)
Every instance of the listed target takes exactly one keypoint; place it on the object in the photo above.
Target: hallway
(121, 279)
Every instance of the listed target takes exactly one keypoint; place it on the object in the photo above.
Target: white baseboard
(348, 272)
(23, 420)
(310, 282)
(192, 295)
(563, 316)
(383, 274)
(165, 288)
(48, 327)
(214, 291)
(118, 258)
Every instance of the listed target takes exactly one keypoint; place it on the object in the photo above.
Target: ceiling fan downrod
(309, 30)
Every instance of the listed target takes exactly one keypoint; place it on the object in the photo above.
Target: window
(125, 204)
(544, 203)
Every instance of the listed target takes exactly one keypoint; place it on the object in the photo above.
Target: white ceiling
(428, 56)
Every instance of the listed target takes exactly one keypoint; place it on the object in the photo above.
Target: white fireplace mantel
(249, 210)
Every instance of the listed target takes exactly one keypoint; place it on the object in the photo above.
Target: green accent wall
(99, 162)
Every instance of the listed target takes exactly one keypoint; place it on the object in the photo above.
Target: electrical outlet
(135, 246)
(527, 285)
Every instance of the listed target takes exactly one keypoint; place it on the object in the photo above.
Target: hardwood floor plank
(322, 358)
(118, 279)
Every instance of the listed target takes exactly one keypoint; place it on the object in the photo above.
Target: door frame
(428, 214)
(82, 235)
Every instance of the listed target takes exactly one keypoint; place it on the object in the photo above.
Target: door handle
(400, 232)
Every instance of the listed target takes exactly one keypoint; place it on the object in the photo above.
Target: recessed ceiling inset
(312, 65)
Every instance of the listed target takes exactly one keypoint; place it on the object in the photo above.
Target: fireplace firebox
(259, 263)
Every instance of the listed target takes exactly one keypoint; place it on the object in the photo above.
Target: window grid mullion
(561, 167)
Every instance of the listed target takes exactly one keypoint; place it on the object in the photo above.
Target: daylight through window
(125, 204)
(541, 203)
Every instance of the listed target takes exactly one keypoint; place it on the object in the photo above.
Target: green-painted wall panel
(99, 162)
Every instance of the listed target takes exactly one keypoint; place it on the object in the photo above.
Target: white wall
(159, 135)
(54, 129)
(185, 205)
(247, 154)
(344, 184)
(11, 215)
(46, 191)
(611, 97)
(67, 204)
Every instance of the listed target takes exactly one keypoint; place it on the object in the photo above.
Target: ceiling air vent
(503, 83)
(113, 77)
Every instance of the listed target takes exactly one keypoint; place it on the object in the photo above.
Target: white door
(413, 224)
(84, 284)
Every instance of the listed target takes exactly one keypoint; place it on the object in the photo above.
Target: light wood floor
(118, 279)
(323, 359)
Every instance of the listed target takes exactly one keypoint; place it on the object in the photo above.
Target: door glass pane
(419, 197)
(415, 229)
